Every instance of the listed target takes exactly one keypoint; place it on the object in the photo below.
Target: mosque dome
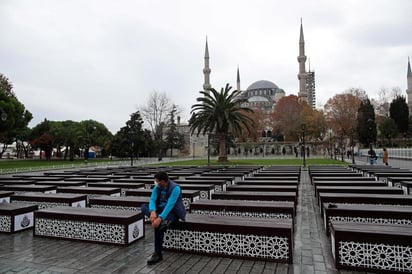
(262, 84)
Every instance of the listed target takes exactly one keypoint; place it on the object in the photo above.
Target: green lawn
(263, 162)
(12, 166)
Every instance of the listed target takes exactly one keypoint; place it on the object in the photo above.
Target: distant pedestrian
(372, 156)
(385, 157)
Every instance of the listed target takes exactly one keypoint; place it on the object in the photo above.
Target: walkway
(23, 253)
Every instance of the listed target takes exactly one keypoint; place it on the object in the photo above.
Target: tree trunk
(222, 148)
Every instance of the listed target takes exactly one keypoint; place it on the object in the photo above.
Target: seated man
(165, 208)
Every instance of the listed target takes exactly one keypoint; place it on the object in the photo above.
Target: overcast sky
(100, 60)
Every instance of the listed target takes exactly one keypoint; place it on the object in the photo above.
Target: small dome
(262, 84)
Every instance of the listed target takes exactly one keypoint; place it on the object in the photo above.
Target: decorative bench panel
(373, 214)
(229, 236)
(50, 200)
(15, 218)
(366, 247)
(29, 188)
(5, 196)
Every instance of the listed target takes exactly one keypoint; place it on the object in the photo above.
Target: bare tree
(156, 114)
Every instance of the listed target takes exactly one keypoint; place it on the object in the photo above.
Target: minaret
(238, 80)
(409, 87)
(303, 95)
(206, 70)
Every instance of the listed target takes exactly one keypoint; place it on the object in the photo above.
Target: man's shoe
(154, 259)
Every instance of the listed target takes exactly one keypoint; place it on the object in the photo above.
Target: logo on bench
(25, 222)
(4, 201)
(136, 232)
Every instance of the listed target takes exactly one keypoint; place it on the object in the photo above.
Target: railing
(140, 162)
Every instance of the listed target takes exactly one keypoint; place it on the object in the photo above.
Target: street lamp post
(352, 147)
(208, 149)
(303, 145)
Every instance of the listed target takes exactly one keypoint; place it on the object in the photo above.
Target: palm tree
(220, 113)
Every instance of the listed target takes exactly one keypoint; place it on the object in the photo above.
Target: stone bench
(228, 179)
(276, 210)
(255, 196)
(372, 248)
(354, 198)
(268, 182)
(17, 181)
(395, 181)
(348, 183)
(123, 186)
(230, 236)
(90, 224)
(334, 176)
(124, 203)
(317, 179)
(5, 196)
(220, 185)
(258, 188)
(29, 188)
(15, 218)
(206, 190)
(91, 192)
(406, 187)
(61, 183)
(46, 200)
(373, 214)
(274, 179)
(87, 179)
(188, 196)
(358, 189)
(37, 178)
(384, 175)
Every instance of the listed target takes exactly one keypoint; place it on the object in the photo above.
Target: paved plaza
(23, 253)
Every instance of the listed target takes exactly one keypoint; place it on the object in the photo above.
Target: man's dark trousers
(159, 233)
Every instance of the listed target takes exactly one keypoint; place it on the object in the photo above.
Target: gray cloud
(101, 59)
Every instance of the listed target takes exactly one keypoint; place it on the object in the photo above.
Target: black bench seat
(220, 185)
(257, 188)
(15, 218)
(61, 183)
(5, 196)
(188, 196)
(406, 187)
(128, 203)
(365, 198)
(380, 214)
(45, 200)
(228, 179)
(38, 178)
(255, 196)
(396, 180)
(90, 224)
(348, 183)
(316, 179)
(123, 186)
(231, 236)
(359, 189)
(91, 191)
(30, 188)
(268, 182)
(87, 179)
(277, 210)
(17, 181)
(372, 248)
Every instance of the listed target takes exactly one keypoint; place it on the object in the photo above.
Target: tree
(14, 116)
(221, 113)
(174, 139)
(340, 112)
(388, 129)
(286, 117)
(134, 131)
(155, 113)
(399, 112)
(366, 125)
(315, 122)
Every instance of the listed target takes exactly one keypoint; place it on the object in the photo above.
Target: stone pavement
(23, 253)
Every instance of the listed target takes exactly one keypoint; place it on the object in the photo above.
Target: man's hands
(154, 219)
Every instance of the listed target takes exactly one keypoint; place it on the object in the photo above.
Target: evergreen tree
(366, 127)
(399, 112)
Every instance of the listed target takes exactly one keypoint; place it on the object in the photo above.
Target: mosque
(262, 94)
